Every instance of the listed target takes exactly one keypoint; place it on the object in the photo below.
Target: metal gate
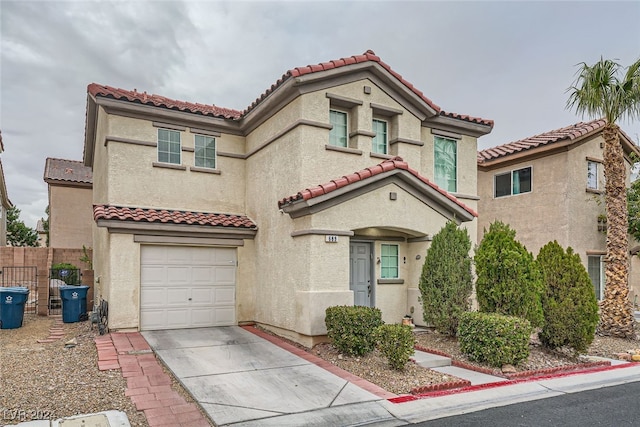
(60, 277)
(23, 276)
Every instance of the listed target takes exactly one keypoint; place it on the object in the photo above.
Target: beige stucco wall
(71, 216)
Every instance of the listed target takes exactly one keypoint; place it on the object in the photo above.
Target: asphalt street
(609, 406)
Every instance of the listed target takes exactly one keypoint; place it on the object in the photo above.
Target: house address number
(331, 238)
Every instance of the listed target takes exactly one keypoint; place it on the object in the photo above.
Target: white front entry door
(187, 287)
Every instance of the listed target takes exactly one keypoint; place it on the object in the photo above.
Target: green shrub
(446, 281)
(508, 280)
(397, 343)
(68, 273)
(569, 303)
(494, 338)
(352, 329)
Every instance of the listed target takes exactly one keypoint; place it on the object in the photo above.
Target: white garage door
(187, 287)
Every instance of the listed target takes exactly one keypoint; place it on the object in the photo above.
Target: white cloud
(507, 61)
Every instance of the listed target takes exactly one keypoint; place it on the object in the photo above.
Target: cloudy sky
(507, 61)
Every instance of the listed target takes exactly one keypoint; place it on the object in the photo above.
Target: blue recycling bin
(74, 302)
(12, 301)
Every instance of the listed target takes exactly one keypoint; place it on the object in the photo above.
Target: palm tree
(599, 92)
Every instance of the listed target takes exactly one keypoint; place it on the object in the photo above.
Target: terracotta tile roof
(385, 166)
(567, 133)
(466, 118)
(160, 101)
(227, 113)
(67, 170)
(122, 213)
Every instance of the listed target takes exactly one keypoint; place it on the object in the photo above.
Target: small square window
(513, 182)
(169, 146)
(338, 133)
(389, 262)
(380, 144)
(205, 151)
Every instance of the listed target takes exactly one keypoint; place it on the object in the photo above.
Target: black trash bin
(74, 302)
(12, 301)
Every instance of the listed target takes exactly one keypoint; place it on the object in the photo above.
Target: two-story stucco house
(324, 191)
(551, 187)
(5, 203)
(70, 203)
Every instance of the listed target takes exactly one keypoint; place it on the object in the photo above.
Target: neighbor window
(594, 267)
(380, 140)
(446, 163)
(389, 262)
(513, 182)
(205, 151)
(169, 146)
(338, 133)
(592, 175)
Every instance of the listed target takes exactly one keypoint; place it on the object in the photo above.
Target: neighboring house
(70, 203)
(211, 216)
(5, 203)
(42, 234)
(551, 187)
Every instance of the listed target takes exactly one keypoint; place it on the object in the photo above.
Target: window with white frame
(513, 182)
(592, 175)
(446, 163)
(338, 134)
(169, 146)
(380, 141)
(205, 151)
(389, 262)
(596, 273)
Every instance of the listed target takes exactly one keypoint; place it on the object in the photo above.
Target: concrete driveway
(242, 379)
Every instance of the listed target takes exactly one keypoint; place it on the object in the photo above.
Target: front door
(360, 273)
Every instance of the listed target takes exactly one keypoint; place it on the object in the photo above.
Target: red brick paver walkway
(148, 386)
(55, 332)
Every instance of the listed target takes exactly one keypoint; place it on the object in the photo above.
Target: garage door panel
(153, 297)
(225, 275)
(225, 295)
(153, 275)
(203, 275)
(224, 316)
(186, 287)
(202, 296)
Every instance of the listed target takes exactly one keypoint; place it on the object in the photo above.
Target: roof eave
(458, 125)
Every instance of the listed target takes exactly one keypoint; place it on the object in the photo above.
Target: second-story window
(592, 175)
(513, 182)
(205, 155)
(380, 141)
(446, 163)
(169, 146)
(338, 134)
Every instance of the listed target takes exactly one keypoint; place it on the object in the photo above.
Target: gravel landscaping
(49, 381)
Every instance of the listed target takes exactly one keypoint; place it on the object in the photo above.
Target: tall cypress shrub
(446, 281)
(568, 301)
(508, 280)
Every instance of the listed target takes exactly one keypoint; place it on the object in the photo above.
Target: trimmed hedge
(352, 329)
(68, 273)
(397, 343)
(494, 338)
